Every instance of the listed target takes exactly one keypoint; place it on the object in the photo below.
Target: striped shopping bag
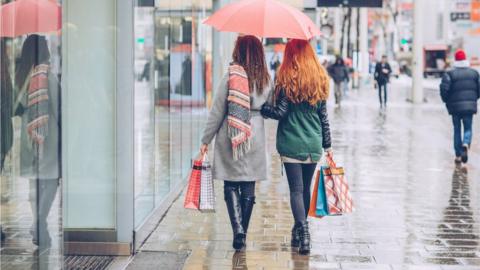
(337, 191)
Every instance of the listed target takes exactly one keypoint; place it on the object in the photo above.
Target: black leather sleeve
(323, 114)
(277, 111)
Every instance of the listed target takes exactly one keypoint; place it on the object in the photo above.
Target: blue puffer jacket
(460, 90)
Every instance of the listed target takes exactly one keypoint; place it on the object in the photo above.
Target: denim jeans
(458, 120)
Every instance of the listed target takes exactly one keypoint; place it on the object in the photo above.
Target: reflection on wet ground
(414, 208)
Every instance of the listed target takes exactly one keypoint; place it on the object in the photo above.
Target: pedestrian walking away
(301, 92)
(238, 128)
(382, 77)
(460, 90)
(339, 73)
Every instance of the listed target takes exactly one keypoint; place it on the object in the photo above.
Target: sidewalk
(414, 210)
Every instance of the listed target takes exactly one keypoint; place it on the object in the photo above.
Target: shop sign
(475, 14)
(146, 3)
(460, 16)
(350, 3)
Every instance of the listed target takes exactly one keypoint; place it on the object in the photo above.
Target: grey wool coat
(253, 165)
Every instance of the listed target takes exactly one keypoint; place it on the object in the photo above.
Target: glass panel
(180, 74)
(177, 35)
(30, 129)
(162, 110)
(89, 114)
(144, 115)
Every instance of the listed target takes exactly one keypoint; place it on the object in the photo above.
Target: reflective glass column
(30, 136)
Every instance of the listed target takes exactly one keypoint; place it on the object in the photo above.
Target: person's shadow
(458, 229)
(300, 262)
(239, 261)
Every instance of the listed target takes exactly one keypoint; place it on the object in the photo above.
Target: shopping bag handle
(201, 157)
(331, 163)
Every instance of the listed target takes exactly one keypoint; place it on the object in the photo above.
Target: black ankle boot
(304, 238)
(295, 242)
(247, 208)
(232, 199)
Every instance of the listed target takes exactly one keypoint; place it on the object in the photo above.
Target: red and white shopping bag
(339, 199)
(192, 198)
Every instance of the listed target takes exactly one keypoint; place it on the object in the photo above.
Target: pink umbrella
(23, 17)
(264, 18)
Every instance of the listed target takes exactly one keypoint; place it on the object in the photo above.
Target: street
(414, 208)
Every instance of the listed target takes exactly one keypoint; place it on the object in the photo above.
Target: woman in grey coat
(240, 166)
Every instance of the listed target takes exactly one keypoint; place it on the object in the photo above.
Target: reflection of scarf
(239, 128)
(38, 101)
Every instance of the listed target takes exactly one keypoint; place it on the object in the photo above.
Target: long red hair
(301, 76)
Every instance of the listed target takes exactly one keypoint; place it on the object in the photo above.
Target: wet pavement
(414, 208)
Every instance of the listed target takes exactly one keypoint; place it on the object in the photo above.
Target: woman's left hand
(204, 149)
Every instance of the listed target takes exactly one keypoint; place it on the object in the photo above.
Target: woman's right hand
(204, 149)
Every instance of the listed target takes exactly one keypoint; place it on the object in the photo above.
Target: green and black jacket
(303, 129)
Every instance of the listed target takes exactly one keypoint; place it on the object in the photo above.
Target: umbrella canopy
(264, 18)
(23, 17)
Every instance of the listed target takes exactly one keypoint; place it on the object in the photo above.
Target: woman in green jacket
(301, 90)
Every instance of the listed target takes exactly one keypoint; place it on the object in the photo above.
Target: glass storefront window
(173, 62)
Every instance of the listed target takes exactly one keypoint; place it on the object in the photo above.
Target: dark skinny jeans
(299, 180)
(246, 189)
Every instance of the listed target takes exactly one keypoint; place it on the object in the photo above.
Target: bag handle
(331, 163)
(201, 157)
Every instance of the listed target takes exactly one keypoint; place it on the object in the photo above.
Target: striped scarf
(239, 128)
(38, 105)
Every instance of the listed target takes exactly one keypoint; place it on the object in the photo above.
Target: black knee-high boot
(295, 242)
(304, 238)
(234, 207)
(247, 208)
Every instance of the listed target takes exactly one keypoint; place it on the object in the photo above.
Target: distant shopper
(303, 130)
(339, 73)
(460, 90)
(382, 76)
(275, 64)
(238, 128)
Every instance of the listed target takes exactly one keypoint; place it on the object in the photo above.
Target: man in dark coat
(382, 76)
(339, 73)
(460, 90)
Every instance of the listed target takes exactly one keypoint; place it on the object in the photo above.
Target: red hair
(301, 76)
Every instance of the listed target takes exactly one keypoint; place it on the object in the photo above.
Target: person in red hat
(460, 90)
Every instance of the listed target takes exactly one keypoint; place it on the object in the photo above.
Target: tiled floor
(414, 208)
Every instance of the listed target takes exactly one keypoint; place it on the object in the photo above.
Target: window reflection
(174, 77)
(30, 129)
